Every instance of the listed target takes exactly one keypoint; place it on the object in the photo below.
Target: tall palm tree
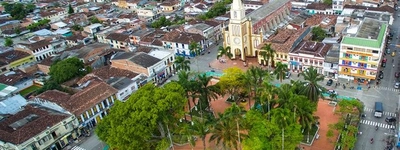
(280, 71)
(182, 63)
(201, 127)
(224, 52)
(187, 131)
(255, 77)
(312, 90)
(227, 128)
(187, 84)
(195, 49)
(206, 92)
(268, 53)
(303, 110)
(267, 96)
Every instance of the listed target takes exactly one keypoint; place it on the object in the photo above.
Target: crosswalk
(388, 89)
(381, 125)
(384, 113)
(77, 148)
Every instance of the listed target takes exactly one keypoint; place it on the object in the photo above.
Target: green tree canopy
(318, 34)
(231, 81)
(161, 22)
(70, 9)
(141, 122)
(67, 69)
(18, 10)
(8, 42)
(94, 20)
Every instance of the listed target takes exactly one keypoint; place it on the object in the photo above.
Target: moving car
(329, 83)
(393, 54)
(378, 109)
(390, 119)
(331, 92)
(397, 85)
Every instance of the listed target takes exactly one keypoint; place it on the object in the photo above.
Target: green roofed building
(6, 89)
(361, 50)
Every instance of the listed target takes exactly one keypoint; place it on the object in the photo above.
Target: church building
(246, 32)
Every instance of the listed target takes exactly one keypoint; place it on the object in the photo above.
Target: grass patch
(29, 90)
(313, 132)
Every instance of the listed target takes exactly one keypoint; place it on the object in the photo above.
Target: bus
(378, 109)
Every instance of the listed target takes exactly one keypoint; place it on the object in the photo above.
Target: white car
(331, 92)
(397, 85)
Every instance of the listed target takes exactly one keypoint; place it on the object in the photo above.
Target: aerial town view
(199, 75)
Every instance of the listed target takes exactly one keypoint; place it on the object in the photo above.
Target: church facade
(246, 31)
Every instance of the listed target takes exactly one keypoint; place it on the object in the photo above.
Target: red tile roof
(284, 40)
(182, 37)
(317, 49)
(95, 92)
(39, 120)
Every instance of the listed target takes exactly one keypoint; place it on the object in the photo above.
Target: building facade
(361, 53)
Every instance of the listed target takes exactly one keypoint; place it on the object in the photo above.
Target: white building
(40, 49)
(167, 57)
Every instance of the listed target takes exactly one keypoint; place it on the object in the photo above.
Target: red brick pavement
(327, 116)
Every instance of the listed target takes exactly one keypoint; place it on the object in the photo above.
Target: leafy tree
(219, 8)
(143, 121)
(40, 24)
(77, 27)
(267, 134)
(231, 81)
(18, 10)
(182, 63)
(318, 34)
(17, 31)
(67, 69)
(312, 89)
(50, 85)
(161, 22)
(188, 86)
(224, 52)
(70, 9)
(280, 71)
(8, 42)
(268, 54)
(328, 2)
(94, 20)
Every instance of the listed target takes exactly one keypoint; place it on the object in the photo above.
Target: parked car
(383, 65)
(329, 83)
(384, 60)
(288, 74)
(381, 76)
(397, 85)
(393, 54)
(388, 51)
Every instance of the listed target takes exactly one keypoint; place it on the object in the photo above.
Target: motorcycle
(376, 128)
(372, 140)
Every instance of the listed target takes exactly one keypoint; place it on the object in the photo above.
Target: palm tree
(303, 110)
(227, 128)
(187, 132)
(267, 96)
(195, 49)
(268, 53)
(187, 84)
(280, 71)
(200, 127)
(255, 77)
(206, 92)
(182, 63)
(312, 90)
(224, 52)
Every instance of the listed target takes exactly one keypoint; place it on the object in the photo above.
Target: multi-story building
(338, 6)
(179, 42)
(89, 105)
(13, 60)
(168, 58)
(40, 49)
(307, 54)
(361, 50)
(36, 127)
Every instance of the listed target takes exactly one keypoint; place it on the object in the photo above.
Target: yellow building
(13, 60)
(361, 52)
(245, 31)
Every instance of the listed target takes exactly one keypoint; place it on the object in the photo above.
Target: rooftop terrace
(370, 34)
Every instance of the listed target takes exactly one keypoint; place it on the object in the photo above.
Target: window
(285, 56)
(349, 48)
(361, 72)
(291, 58)
(375, 51)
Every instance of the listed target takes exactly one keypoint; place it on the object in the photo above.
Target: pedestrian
(209, 65)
